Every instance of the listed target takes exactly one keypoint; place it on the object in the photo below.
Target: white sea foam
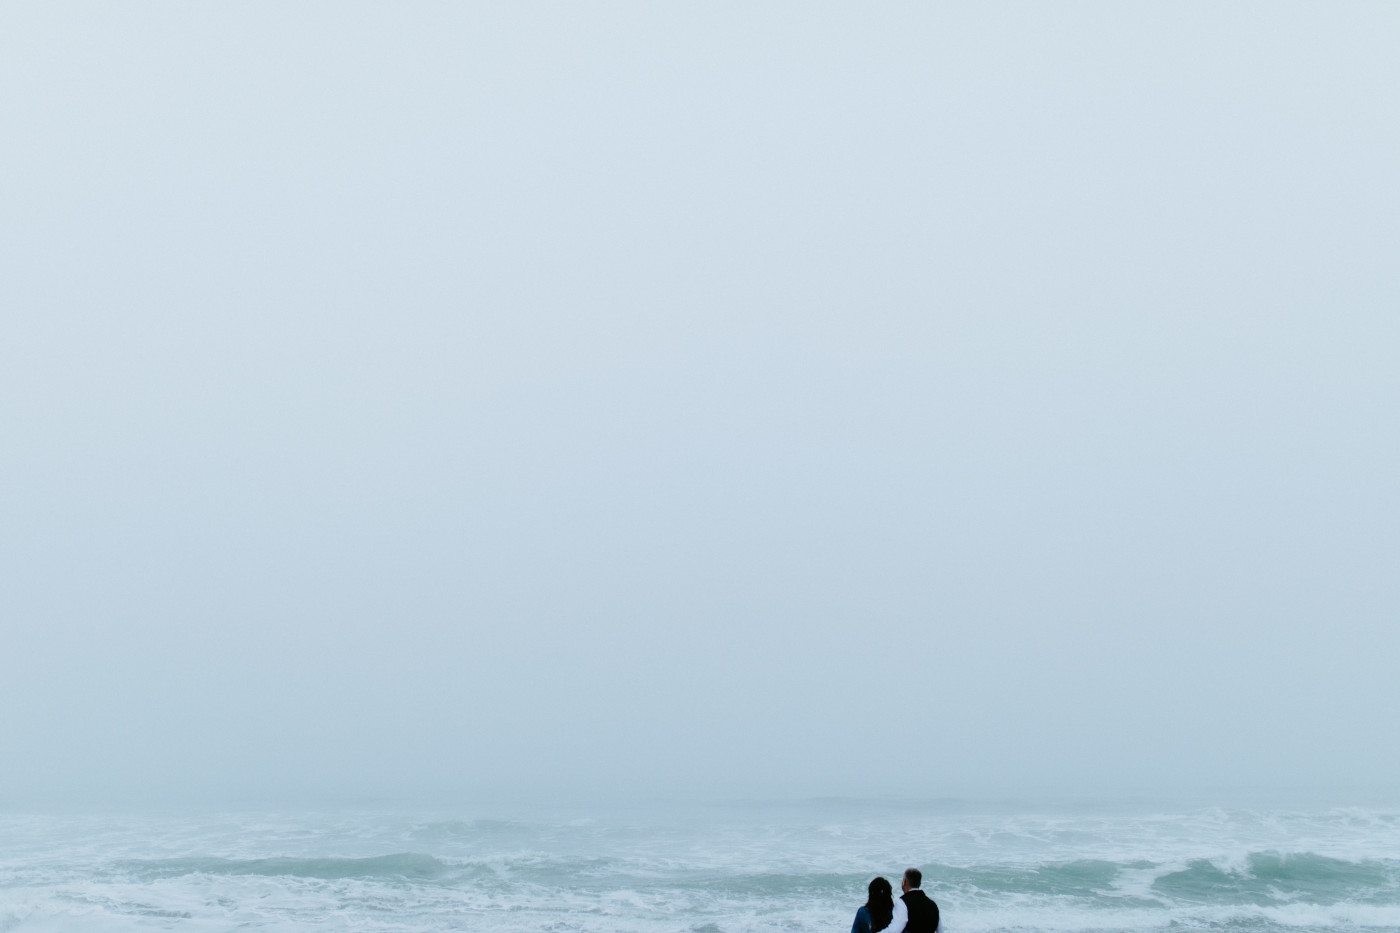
(728, 869)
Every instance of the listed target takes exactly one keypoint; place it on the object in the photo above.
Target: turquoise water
(701, 869)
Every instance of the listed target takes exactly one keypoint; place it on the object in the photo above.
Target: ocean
(723, 868)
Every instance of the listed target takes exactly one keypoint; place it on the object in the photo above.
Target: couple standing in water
(914, 912)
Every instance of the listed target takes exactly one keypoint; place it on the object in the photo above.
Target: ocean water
(702, 869)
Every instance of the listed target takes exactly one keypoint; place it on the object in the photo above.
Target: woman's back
(878, 909)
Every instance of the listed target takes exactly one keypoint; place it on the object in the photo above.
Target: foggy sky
(659, 399)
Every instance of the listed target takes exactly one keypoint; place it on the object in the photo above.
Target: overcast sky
(695, 398)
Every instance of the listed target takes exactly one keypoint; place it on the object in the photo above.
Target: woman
(878, 909)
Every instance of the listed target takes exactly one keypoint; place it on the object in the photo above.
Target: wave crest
(410, 866)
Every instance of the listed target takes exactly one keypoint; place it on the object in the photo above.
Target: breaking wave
(406, 866)
(735, 871)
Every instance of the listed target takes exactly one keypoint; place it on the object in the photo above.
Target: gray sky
(689, 398)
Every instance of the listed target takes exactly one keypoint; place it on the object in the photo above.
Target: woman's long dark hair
(880, 903)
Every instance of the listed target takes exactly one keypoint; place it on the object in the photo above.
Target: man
(915, 911)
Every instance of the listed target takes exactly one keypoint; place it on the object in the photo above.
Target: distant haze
(555, 400)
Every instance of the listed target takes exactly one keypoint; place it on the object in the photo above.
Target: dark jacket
(923, 912)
